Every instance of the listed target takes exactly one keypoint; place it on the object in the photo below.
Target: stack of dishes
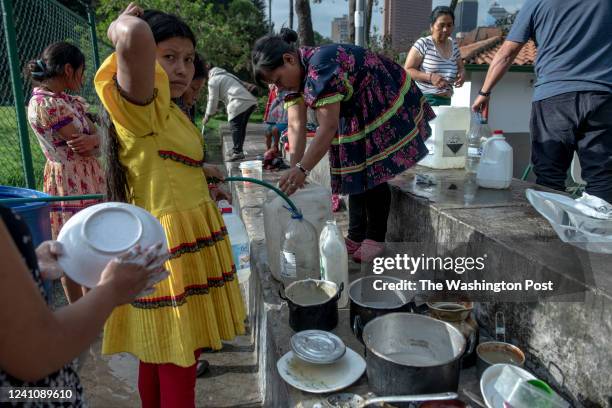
(320, 363)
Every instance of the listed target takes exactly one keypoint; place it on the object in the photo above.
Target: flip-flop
(202, 367)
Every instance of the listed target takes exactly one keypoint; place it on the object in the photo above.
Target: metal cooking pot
(412, 354)
(367, 303)
(313, 304)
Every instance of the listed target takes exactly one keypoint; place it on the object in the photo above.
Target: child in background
(190, 97)
(275, 116)
(156, 162)
(67, 137)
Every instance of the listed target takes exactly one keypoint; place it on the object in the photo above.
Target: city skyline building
(498, 12)
(404, 21)
(340, 30)
(466, 16)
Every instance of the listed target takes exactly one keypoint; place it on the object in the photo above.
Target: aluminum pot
(408, 353)
(368, 303)
(313, 304)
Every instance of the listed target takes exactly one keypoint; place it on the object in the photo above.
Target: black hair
(163, 26)
(268, 52)
(442, 11)
(201, 69)
(51, 62)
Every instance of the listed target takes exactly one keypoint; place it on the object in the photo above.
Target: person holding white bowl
(37, 344)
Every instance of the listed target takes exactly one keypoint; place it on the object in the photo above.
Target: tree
(225, 29)
(352, 4)
(320, 39)
(369, 9)
(305, 32)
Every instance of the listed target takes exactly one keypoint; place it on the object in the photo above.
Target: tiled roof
(482, 52)
(477, 34)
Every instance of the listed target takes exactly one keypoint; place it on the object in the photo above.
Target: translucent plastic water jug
(314, 201)
(299, 254)
(477, 136)
(495, 169)
(241, 251)
(447, 143)
(334, 259)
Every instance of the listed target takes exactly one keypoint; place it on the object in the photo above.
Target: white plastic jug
(447, 143)
(239, 239)
(299, 255)
(495, 169)
(313, 200)
(334, 259)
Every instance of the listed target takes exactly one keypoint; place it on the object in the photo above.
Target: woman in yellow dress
(155, 159)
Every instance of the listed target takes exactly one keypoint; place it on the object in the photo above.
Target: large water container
(313, 200)
(495, 169)
(35, 214)
(447, 143)
(239, 238)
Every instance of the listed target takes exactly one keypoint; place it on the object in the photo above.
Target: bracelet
(484, 93)
(306, 172)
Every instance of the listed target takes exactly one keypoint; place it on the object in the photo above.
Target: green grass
(11, 167)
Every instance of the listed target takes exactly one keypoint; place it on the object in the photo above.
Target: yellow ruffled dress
(200, 303)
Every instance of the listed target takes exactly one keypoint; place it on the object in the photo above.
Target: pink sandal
(368, 251)
(351, 246)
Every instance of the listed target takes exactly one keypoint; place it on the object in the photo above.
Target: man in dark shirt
(572, 101)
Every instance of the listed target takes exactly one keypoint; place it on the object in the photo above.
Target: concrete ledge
(567, 343)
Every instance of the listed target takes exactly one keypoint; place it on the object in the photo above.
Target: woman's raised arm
(135, 48)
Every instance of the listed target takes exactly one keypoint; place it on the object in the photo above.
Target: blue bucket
(35, 215)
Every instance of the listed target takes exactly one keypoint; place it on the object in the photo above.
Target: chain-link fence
(27, 28)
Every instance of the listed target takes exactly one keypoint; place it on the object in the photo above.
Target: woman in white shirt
(239, 103)
(434, 62)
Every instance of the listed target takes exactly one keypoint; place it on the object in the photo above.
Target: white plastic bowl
(97, 234)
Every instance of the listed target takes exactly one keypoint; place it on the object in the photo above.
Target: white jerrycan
(447, 144)
(495, 169)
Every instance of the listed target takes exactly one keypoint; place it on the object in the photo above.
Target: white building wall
(510, 106)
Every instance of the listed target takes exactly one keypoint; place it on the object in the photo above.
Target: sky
(324, 13)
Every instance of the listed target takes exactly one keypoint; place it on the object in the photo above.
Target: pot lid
(317, 346)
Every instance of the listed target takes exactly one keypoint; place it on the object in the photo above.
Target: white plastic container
(313, 200)
(334, 259)
(299, 254)
(241, 245)
(495, 169)
(252, 169)
(447, 143)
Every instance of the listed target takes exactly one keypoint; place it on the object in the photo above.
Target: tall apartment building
(466, 16)
(340, 30)
(404, 21)
(498, 12)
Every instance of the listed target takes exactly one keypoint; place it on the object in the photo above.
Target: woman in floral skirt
(372, 118)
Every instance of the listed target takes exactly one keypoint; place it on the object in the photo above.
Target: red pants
(167, 385)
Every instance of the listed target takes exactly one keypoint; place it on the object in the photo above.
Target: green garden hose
(25, 200)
